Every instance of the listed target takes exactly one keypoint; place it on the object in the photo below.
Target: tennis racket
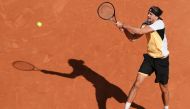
(24, 66)
(106, 11)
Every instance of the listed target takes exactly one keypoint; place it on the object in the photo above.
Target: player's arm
(131, 36)
(133, 33)
(138, 31)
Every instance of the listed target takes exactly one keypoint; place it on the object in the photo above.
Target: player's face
(151, 17)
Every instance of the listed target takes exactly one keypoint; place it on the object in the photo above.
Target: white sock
(127, 105)
(166, 107)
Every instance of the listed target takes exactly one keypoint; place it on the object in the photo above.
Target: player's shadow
(104, 89)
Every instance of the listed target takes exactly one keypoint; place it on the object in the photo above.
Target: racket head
(24, 66)
(106, 11)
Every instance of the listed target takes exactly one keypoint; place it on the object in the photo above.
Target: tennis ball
(39, 24)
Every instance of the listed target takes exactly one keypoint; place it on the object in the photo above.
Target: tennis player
(157, 57)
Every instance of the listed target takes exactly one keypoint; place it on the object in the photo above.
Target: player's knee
(164, 90)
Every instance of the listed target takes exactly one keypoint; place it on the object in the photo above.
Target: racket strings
(106, 11)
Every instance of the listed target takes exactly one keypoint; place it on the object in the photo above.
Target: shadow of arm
(72, 75)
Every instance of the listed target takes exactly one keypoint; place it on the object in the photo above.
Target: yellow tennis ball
(39, 24)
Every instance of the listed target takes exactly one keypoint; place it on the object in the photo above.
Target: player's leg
(145, 70)
(162, 77)
(165, 95)
(139, 80)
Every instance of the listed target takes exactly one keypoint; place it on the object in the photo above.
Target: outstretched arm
(138, 31)
(131, 36)
(133, 32)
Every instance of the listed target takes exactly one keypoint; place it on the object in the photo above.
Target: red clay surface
(72, 30)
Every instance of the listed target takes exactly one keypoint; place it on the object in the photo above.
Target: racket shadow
(103, 88)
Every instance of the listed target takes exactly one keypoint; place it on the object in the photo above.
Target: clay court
(72, 33)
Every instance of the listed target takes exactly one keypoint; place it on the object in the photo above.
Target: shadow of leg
(101, 100)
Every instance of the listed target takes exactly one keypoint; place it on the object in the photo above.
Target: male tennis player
(157, 57)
